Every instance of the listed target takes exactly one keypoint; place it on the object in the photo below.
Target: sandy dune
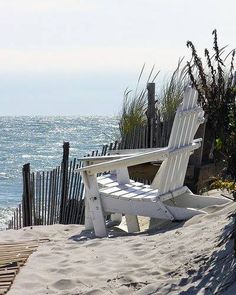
(183, 258)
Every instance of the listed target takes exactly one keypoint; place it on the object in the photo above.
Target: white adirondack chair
(167, 197)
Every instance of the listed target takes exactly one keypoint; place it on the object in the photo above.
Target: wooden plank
(5, 279)
(10, 269)
(12, 257)
(27, 243)
(5, 284)
(7, 272)
(15, 255)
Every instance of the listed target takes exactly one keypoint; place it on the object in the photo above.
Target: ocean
(38, 141)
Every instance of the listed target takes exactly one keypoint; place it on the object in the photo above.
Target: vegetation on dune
(216, 89)
(133, 113)
(171, 93)
(134, 108)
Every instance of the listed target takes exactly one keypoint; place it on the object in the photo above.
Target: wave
(3, 175)
(5, 216)
(39, 156)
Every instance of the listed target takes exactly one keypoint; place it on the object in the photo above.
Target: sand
(182, 258)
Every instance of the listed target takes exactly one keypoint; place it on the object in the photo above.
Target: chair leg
(97, 217)
(95, 205)
(132, 223)
(88, 223)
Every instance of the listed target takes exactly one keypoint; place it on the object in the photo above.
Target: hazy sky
(70, 57)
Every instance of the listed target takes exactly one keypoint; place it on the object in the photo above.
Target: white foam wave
(3, 175)
(5, 216)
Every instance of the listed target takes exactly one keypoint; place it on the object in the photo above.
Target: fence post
(151, 113)
(26, 197)
(64, 187)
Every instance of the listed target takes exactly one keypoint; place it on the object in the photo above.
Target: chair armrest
(100, 159)
(133, 151)
(125, 162)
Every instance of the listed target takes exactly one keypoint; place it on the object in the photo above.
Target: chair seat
(136, 191)
(109, 180)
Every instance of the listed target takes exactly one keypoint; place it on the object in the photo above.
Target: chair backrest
(188, 117)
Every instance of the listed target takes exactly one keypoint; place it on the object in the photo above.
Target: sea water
(38, 141)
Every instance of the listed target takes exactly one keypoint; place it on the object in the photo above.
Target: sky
(76, 57)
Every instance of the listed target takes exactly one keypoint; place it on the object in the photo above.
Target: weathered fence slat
(26, 202)
(64, 171)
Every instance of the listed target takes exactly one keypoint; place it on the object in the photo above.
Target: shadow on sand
(217, 272)
(202, 275)
(115, 232)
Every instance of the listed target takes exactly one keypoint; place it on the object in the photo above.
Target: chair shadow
(116, 232)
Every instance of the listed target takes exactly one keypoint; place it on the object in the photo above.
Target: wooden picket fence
(54, 196)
